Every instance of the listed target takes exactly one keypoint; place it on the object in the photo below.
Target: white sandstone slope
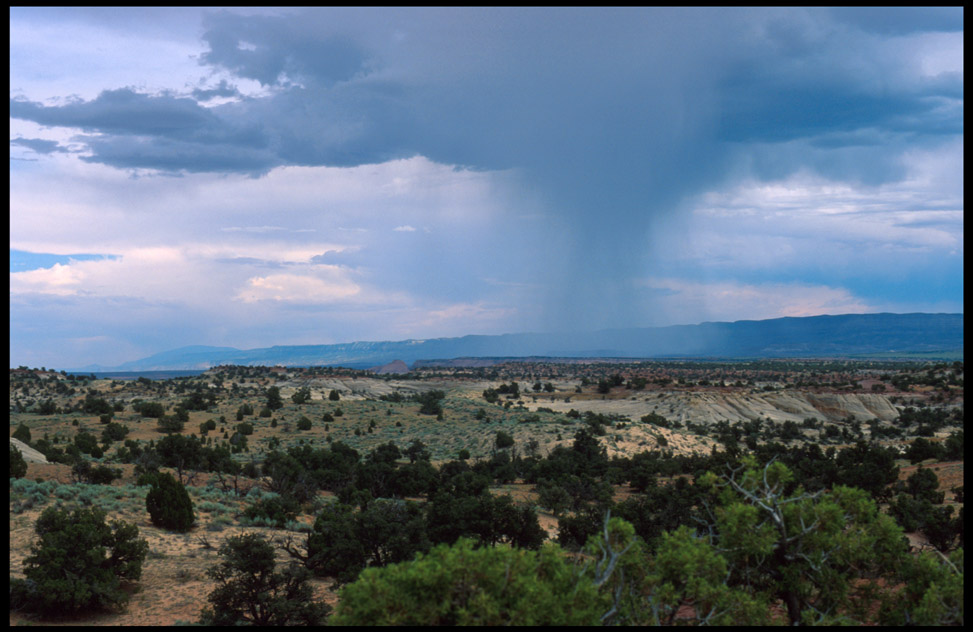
(711, 407)
(30, 454)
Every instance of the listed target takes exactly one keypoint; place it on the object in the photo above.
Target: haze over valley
(881, 335)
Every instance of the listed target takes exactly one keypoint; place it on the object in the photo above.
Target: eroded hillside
(706, 407)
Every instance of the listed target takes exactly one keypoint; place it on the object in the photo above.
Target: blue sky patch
(23, 261)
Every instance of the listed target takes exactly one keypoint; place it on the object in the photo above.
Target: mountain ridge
(809, 336)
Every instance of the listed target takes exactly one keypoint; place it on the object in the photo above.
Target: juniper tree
(821, 554)
(78, 563)
(274, 400)
(22, 433)
(169, 504)
(459, 584)
(251, 591)
(18, 466)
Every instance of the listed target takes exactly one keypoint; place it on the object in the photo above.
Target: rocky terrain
(30, 454)
(709, 407)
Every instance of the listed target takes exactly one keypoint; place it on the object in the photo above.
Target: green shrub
(87, 443)
(113, 432)
(67, 492)
(47, 407)
(219, 523)
(462, 585)
(27, 487)
(921, 449)
(169, 504)
(22, 433)
(932, 593)
(146, 478)
(303, 423)
(274, 401)
(238, 443)
(151, 409)
(503, 440)
(85, 472)
(78, 563)
(213, 508)
(170, 424)
(278, 511)
(250, 590)
(18, 466)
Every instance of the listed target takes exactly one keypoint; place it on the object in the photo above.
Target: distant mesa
(469, 363)
(850, 336)
(393, 367)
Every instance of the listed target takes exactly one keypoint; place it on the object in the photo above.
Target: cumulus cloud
(328, 284)
(58, 279)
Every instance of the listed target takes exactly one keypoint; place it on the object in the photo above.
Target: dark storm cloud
(901, 20)
(122, 111)
(39, 145)
(252, 49)
(176, 156)
(223, 89)
(131, 130)
(788, 113)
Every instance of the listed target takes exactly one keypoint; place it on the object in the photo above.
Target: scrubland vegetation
(520, 493)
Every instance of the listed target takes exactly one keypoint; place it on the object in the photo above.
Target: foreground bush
(932, 592)
(765, 551)
(251, 592)
(463, 585)
(78, 563)
(822, 555)
(169, 504)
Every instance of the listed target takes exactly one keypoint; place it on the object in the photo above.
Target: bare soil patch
(174, 585)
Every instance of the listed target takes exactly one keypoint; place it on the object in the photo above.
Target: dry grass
(174, 584)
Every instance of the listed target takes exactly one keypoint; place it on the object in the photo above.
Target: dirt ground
(174, 584)
(949, 473)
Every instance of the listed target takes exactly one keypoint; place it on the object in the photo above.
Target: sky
(265, 176)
